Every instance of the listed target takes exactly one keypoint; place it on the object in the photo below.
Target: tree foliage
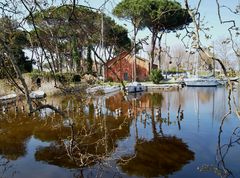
(15, 40)
(165, 16)
(71, 30)
(159, 16)
(132, 10)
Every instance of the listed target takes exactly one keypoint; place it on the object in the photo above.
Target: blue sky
(208, 9)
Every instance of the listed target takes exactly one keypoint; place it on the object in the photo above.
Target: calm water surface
(176, 133)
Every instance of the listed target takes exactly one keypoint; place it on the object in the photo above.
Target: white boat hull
(111, 89)
(104, 89)
(8, 98)
(135, 87)
(201, 82)
(37, 94)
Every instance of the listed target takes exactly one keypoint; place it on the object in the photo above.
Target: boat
(201, 82)
(37, 94)
(104, 89)
(134, 87)
(233, 79)
(225, 80)
(111, 89)
(8, 98)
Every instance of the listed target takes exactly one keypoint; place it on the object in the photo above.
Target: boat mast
(134, 55)
(213, 61)
(197, 63)
(102, 43)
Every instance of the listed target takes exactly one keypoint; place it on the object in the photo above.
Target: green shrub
(156, 76)
(64, 78)
(109, 79)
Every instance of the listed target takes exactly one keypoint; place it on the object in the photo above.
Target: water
(176, 133)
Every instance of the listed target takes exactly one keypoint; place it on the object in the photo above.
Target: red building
(122, 67)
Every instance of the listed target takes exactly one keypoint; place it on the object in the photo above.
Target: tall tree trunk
(57, 58)
(153, 43)
(160, 50)
(60, 63)
(19, 75)
(41, 62)
(79, 60)
(96, 66)
(53, 63)
(89, 60)
(238, 57)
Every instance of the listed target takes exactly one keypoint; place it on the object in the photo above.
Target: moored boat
(104, 89)
(135, 87)
(201, 82)
(37, 94)
(233, 79)
(111, 89)
(8, 98)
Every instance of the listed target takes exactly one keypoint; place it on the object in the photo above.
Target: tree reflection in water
(17, 130)
(15, 133)
(79, 139)
(221, 169)
(85, 145)
(92, 140)
(6, 168)
(224, 149)
(159, 156)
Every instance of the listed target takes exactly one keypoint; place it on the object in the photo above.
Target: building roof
(122, 56)
(115, 59)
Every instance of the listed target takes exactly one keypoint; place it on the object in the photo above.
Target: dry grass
(5, 88)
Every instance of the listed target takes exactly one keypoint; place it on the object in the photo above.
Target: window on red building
(125, 76)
